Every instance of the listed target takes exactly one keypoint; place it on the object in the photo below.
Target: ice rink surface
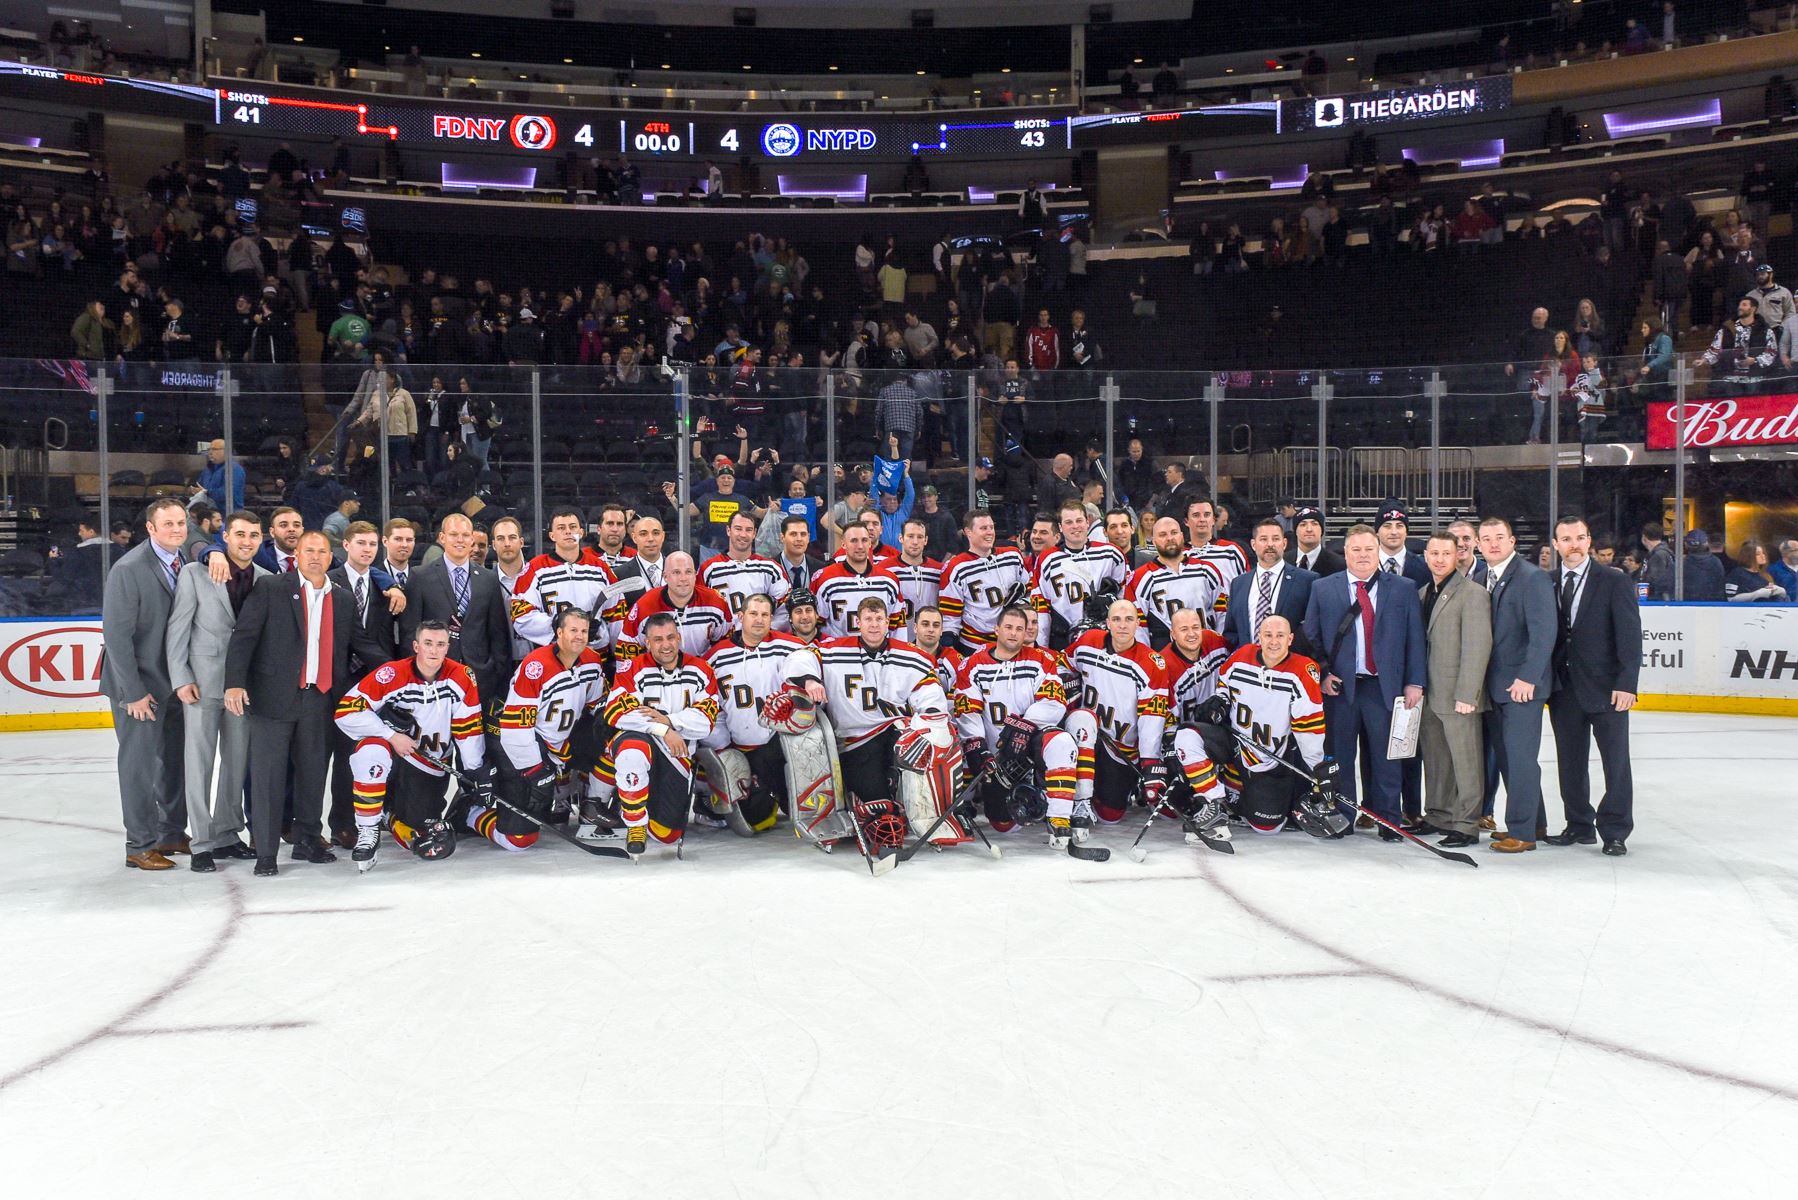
(1303, 1019)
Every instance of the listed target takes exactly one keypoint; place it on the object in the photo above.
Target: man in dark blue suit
(1274, 588)
(1368, 627)
(1396, 555)
(1519, 678)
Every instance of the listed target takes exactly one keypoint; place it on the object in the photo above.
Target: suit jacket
(134, 618)
(1329, 562)
(1398, 641)
(1523, 632)
(268, 645)
(1413, 568)
(199, 633)
(1459, 634)
(485, 644)
(1290, 602)
(1602, 653)
(378, 628)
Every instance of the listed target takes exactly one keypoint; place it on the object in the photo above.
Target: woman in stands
(1588, 329)
(1704, 263)
(1561, 358)
(133, 346)
(1749, 583)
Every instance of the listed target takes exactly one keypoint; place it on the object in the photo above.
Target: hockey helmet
(433, 840)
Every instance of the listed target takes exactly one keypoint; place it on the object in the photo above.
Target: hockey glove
(974, 755)
(542, 798)
(1326, 781)
(1154, 781)
(1214, 711)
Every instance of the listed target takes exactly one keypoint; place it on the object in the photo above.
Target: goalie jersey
(1274, 707)
(1159, 592)
(686, 693)
(1064, 579)
(544, 702)
(394, 698)
(988, 690)
(746, 676)
(974, 589)
(1191, 682)
(550, 584)
(703, 619)
(864, 688)
(1127, 692)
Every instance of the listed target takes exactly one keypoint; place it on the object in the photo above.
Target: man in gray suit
(1457, 620)
(1519, 678)
(134, 618)
(199, 635)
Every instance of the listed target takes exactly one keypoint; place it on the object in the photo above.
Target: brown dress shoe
(1364, 823)
(178, 845)
(148, 860)
(1510, 845)
(345, 838)
(1488, 824)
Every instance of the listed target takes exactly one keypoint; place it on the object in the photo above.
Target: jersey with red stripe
(1160, 591)
(703, 619)
(1230, 560)
(738, 579)
(989, 689)
(686, 693)
(394, 697)
(918, 583)
(881, 555)
(543, 703)
(840, 589)
(746, 676)
(975, 588)
(866, 687)
(948, 665)
(1127, 691)
(1191, 681)
(1274, 707)
(1064, 578)
(550, 584)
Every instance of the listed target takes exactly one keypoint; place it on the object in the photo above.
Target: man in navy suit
(1396, 555)
(1368, 628)
(1519, 677)
(1274, 588)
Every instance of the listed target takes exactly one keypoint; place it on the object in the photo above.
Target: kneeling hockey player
(1120, 714)
(1275, 706)
(744, 767)
(663, 705)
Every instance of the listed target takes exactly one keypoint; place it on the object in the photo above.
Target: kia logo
(62, 663)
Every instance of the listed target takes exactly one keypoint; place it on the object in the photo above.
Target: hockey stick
(1138, 854)
(464, 781)
(968, 789)
(1439, 852)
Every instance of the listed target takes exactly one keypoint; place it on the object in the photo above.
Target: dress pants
(1514, 731)
(1345, 722)
(1454, 762)
(341, 815)
(303, 738)
(1575, 730)
(213, 733)
(150, 794)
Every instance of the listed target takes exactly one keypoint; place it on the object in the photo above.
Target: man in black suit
(467, 597)
(374, 613)
(289, 657)
(1272, 588)
(1309, 551)
(1597, 660)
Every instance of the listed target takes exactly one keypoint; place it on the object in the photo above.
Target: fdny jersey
(395, 698)
(703, 619)
(1127, 692)
(550, 584)
(882, 555)
(746, 676)
(1160, 591)
(1230, 560)
(1274, 707)
(948, 665)
(737, 581)
(866, 687)
(1064, 579)
(686, 693)
(917, 584)
(989, 689)
(545, 700)
(975, 588)
(840, 591)
(1191, 682)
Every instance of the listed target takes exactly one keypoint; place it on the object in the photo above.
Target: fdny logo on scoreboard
(533, 132)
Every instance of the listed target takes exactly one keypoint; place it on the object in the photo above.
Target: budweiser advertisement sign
(1737, 421)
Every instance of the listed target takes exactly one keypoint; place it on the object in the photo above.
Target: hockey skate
(636, 841)
(599, 822)
(368, 844)
(1071, 834)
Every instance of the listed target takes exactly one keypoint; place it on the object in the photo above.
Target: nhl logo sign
(1327, 113)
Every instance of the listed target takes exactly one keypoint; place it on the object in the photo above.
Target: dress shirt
(1574, 577)
(315, 613)
(1361, 639)
(1307, 559)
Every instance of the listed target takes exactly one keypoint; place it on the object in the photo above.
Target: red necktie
(287, 564)
(325, 639)
(1366, 603)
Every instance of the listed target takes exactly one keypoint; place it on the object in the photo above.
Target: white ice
(1303, 1019)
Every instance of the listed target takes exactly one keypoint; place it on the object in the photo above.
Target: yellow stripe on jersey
(1050, 689)
(351, 703)
(1152, 706)
(709, 707)
(965, 704)
(950, 606)
(624, 704)
(466, 727)
(1311, 724)
(521, 606)
(518, 716)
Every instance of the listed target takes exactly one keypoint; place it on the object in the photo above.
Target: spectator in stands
(1590, 395)
(1058, 484)
(897, 415)
(1471, 225)
(1704, 270)
(1129, 89)
(1749, 582)
(1004, 310)
(212, 479)
(1588, 329)
(1783, 572)
(1561, 360)
(1430, 229)
(1741, 352)
(94, 335)
(892, 278)
(402, 423)
(1649, 379)
(1135, 476)
(1164, 86)
(1657, 563)
(1740, 264)
(1613, 206)
(1773, 300)
(1042, 349)
(337, 524)
(1759, 187)
(1703, 569)
(1533, 344)
(1672, 284)
(921, 341)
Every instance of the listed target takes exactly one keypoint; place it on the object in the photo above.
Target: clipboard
(1401, 741)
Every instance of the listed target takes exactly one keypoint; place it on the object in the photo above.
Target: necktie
(174, 573)
(1491, 582)
(1569, 589)
(1305, 562)
(287, 564)
(1366, 602)
(1264, 599)
(461, 574)
(362, 601)
(1392, 566)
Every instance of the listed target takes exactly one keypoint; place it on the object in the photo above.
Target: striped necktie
(1264, 600)
(461, 574)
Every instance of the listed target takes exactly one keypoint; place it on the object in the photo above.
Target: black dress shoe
(1390, 835)
(202, 862)
(1455, 841)
(1572, 837)
(266, 866)
(233, 849)
(1614, 848)
(312, 850)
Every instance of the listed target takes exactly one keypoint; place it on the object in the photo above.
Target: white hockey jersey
(550, 584)
(1274, 707)
(974, 589)
(703, 619)
(687, 693)
(1127, 692)
(1230, 560)
(1160, 591)
(1191, 682)
(746, 676)
(866, 687)
(840, 589)
(737, 581)
(543, 703)
(917, 584)
(395, 698)
(989, 689)
(1063, 580)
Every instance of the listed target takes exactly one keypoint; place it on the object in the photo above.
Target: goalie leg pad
(926, 795)
(815, 783)
(727, 779)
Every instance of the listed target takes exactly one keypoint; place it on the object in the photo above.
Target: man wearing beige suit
(1457, 619)
(199, 635)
